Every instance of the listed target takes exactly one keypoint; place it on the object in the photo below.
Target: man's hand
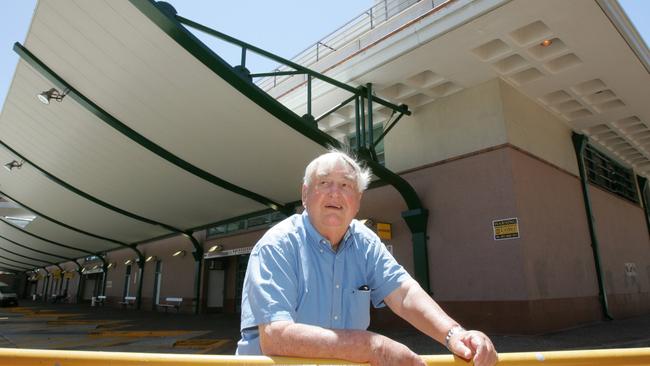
(386, 352)
(473, 345)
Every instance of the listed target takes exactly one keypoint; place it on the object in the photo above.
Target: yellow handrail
(30, 357)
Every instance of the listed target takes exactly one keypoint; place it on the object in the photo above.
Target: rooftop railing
(376, 15)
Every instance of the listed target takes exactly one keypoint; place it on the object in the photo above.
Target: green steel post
(643, 188)
(357, 121)
(243, 57)
(47, 285)
(104, 278)
(309, 95)
(198, 263)
(138, 300)
(371, 137)
(579, 144)
(362, 110)
(80, 283)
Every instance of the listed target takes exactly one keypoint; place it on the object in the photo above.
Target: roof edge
(622, 23)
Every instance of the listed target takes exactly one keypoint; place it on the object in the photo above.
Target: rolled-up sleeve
(271, 286)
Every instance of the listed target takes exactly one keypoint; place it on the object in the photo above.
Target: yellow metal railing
(29, 357)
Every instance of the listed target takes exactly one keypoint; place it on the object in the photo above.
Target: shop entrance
(216, 283)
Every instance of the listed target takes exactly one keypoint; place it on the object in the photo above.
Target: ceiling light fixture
(546, 43)
(215, 248)
(179, 253)
(110, 265)
(51, 94)
(128, 261)
(150, 258)
(14, 164)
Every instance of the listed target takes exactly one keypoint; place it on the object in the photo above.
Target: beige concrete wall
(622, 238)
(463, 197)
(555, 236)
(535, 130)
(461, 123)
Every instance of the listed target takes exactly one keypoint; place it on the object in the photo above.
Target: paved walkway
(81, 327)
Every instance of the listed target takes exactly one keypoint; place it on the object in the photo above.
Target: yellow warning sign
(506, 229)
(384, 231)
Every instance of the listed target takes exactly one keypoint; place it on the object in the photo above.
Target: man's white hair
(328, 161)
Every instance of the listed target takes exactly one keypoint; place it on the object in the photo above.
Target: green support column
(80, 284)
(47, 285)
(104, 277)
(643, 188)
(417, 222)
(138, 300)
(579, 144)
(198, 265)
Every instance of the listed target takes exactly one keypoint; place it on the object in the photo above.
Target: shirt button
(336, 317)
(321, 250)
(337, 286)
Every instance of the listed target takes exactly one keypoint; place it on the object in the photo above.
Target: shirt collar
(318, 238)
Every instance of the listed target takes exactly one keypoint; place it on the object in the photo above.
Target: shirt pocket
(357, 306)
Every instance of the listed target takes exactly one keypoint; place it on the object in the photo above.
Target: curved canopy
(147, 142)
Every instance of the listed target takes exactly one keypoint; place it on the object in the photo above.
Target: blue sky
(284, 27)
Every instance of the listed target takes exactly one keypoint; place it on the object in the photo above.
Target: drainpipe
(579, 144)
(643, 187)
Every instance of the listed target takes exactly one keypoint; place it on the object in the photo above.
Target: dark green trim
(181, 20)
(35, 250)
(85, 195)
(48, 240)
(23, 256)
(579, 144)
(134, 136)
(277, 73)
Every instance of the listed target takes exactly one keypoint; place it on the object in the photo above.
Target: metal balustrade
(27, 357)
(376, 15)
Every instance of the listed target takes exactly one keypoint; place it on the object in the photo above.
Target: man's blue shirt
(293, 274)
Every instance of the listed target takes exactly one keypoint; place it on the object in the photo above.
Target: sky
(283, 27)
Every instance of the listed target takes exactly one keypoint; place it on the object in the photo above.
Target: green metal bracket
(164, 16)
(579, 144)
(197, 254)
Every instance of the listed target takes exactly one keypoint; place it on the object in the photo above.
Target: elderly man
(311, 279)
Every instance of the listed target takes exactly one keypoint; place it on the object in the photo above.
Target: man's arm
(285, 338)
(410, 302)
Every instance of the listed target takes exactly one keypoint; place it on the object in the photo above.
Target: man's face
(332, 200)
